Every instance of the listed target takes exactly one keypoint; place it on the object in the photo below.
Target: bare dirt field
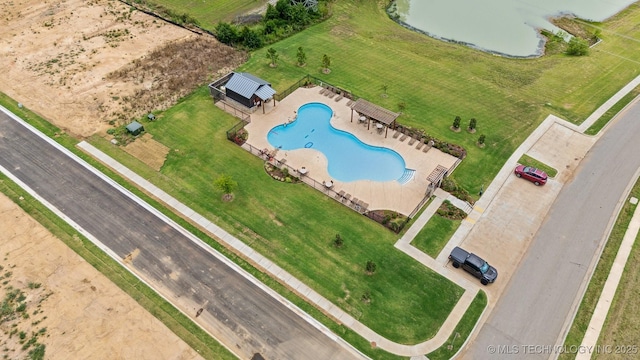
(85, 64)
(69, 307)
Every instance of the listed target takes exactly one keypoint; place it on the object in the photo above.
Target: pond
(506, 27)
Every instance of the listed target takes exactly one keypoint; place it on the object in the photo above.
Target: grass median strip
(628, 283)
(462, 330)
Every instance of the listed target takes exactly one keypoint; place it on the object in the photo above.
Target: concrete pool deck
(389, 195)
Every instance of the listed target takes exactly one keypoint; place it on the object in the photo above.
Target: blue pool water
(349, 158)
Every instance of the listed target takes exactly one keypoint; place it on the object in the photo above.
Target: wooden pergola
(374, 112)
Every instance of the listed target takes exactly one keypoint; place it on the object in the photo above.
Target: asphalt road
(235, 310)
(529, 317)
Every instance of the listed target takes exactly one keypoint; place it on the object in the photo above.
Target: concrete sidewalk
(611, 285)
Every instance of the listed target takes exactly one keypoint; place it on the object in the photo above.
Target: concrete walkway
(611, 285)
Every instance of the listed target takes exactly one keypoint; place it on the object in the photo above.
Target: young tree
(366, 297)
(577, 47)
(472, 124)
(481, 139)
(456, 122)
(226, 184)
(338, 242)
(370, 267)
(302, 57)
(326, 62)
(384, 89)
(272, 54)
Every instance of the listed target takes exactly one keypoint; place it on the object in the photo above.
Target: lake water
(508, 27)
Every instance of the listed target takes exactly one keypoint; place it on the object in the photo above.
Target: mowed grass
(612, 112)
(438, 81)
(209, 13)
(621, 329)
(462, 330)
(622, 326)
(435, 235)
(294, 225)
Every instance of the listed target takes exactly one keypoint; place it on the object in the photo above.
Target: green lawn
(462, 330)
(622, 326)
(210, 13)
(294, 225)
(439, 81)
(435, 235)
(611, 113)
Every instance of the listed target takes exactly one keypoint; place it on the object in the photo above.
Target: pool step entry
(406, 176)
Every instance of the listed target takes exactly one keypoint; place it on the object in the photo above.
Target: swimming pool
(349, 158)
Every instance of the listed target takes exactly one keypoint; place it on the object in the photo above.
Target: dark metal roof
(247, 85)
(134, 126)
(265, 92)
(375, 112)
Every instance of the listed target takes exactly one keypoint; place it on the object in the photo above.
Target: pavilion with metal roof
(368, 111)
(248, 90)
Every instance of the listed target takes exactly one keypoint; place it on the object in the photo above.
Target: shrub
(577, 47)
(366, 297)
(338, 242)
(370, 267)
(481, 139)
(226, 33)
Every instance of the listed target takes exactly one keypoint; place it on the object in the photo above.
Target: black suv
(474, 265)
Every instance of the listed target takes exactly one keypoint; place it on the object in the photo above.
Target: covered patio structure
(368, 111)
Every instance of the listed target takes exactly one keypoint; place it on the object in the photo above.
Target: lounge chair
(412, 141)
(396, 134)
(339, 195)
(331, 94)
(403, 137)
(349, 102)
(354, 202)
(420, 145)
(338, 98)
(322, 91)
(426, 148)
